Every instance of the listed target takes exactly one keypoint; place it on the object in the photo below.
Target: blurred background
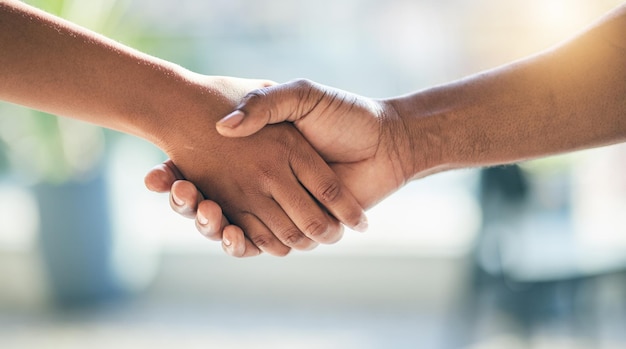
(530, 256)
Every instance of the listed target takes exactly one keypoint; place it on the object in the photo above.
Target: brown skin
(269, 184)
(568, 98)
(364, 140)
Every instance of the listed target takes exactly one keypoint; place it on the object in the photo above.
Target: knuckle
(268, 177)
(316, 229)
(270, 245)
(255, 95)
(329, 191)
(302, 83)
(254, 100)
(292, 237)
(261, 240)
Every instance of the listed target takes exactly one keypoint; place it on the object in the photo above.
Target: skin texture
(271, 184)
(568, 98)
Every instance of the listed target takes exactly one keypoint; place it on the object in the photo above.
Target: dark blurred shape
(76, 242)
(497, 303)
(506, 182)
(4, 160)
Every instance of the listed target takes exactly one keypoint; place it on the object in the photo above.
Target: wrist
(150, 102)
(177, 102)
(427, 136)
(185, 110)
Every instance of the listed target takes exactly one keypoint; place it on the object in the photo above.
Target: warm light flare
(560, 17)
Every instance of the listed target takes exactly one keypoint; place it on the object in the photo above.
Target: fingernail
(226, 242)
(232, 120)
(177, 200)
(362, 226)
(202, 219)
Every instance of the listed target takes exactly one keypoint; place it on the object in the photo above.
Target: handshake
(266, 167)
(324, 156)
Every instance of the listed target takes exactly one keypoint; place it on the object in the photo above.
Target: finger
(184, 198)
(279, 223)
(270, 105)
(236, 244)
(171, 167)
(161, 177)
(210, 221)
(260, 235)
(306, 214)
(213, 224)
(327, 188)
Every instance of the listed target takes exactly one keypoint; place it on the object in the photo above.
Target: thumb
(269, 105)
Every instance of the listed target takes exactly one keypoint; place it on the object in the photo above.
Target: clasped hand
(363, 141)
(272, 185)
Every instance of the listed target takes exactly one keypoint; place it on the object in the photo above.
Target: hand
(363, 139)
(267, 184)
(187, 201)
(262, 182)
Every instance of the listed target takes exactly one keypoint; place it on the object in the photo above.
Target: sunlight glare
(559, 17)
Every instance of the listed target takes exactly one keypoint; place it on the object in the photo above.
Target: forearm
(569, 98)
(52, 65)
